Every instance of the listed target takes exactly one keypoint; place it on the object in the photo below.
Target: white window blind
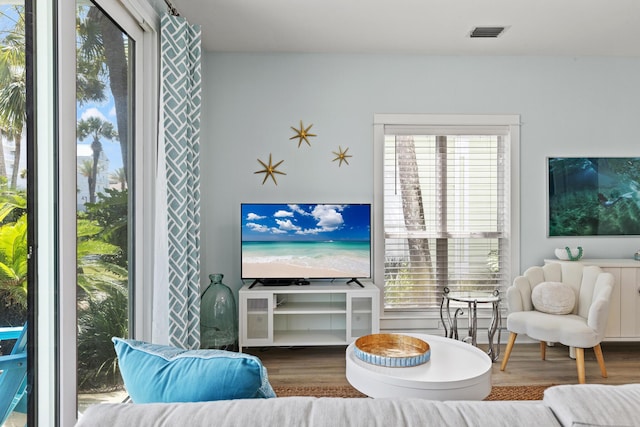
(446, 212)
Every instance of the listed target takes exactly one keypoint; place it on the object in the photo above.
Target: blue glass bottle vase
(218, 316)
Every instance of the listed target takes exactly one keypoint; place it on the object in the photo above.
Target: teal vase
(218, 317)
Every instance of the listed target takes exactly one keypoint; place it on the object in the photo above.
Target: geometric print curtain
(178, 296)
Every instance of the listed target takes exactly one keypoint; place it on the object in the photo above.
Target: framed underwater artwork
(593, 196)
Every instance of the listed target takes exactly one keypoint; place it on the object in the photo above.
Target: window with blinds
(446, 213)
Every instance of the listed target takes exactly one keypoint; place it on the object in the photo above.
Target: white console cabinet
(624, 312)
(322, 313)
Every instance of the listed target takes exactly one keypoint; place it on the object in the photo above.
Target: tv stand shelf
(322, 313)
(307, 307)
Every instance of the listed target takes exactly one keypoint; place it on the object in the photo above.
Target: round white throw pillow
(553, 298)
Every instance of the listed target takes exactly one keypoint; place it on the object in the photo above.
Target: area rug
(527, 392)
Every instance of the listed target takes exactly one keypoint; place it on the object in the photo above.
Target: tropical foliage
(102, 301)
(111, 214)
(95, 274)
(100, 318)
(13, 258)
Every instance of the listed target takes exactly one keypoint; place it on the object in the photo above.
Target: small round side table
(472, 299)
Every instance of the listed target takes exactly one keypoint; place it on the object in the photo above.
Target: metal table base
(472, 299)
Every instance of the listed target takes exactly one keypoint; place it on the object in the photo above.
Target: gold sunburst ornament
(270, 170)
(302, 134)
(341, 155)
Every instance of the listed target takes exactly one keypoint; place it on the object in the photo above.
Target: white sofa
(565, 405)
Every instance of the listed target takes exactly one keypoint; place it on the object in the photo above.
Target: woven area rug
(528, 392)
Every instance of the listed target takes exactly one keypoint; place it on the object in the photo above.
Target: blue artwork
(594, 196)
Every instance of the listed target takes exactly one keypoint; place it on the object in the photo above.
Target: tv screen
(305, 241)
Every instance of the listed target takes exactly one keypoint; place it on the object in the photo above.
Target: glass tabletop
(471, 296)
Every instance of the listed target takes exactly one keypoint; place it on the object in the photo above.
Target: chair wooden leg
(543, 350)
(580, 364)
(598, 351)
(507, 352)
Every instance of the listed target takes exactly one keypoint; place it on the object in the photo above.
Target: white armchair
(536, 313)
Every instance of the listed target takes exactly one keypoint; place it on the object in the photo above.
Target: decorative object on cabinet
(593, 196)
(303, 134)
(341, 155)
(270, 170)
(218, 316)
(569, 254)
(636, 256)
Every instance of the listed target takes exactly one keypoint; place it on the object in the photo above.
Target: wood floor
(302, 366)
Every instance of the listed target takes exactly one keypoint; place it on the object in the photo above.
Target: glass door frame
(55, 136)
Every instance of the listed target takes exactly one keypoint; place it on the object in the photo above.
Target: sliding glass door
(95, 249)
(13, 179)
(14, 212)
(105, 95)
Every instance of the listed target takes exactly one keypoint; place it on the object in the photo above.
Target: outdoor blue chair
(13, 373)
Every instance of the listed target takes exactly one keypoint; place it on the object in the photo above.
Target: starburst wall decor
(302, 134)
(270, 170)
(341, 155)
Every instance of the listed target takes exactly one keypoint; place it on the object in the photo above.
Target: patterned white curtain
(176, 300)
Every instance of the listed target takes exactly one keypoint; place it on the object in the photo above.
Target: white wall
(568, 107)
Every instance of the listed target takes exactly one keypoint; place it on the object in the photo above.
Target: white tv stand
(321, 313)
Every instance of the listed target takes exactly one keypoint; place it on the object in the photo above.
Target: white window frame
(56, 125)
(429, 319)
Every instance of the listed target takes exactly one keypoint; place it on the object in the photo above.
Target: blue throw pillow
(160, 373)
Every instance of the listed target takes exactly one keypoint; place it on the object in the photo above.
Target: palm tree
(96, 128)
(86, 170)
(13, 101)
(119, 177)
(90, 69)
(103, 55)
(8, 134)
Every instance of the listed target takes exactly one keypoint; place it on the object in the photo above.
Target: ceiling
(434, 27)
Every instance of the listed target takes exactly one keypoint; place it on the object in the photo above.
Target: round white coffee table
(455, 371)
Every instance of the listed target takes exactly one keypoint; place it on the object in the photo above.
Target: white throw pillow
(553, 298)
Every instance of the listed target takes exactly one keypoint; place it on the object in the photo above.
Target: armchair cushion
(570, 329)
(553, 298)
(160, 373)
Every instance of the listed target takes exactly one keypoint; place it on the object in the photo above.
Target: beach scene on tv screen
(306, 241)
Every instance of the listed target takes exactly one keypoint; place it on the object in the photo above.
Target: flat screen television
(292, 243)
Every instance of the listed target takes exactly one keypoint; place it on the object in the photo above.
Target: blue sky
(305, 222)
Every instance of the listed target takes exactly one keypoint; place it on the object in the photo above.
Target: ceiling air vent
(486, 32)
